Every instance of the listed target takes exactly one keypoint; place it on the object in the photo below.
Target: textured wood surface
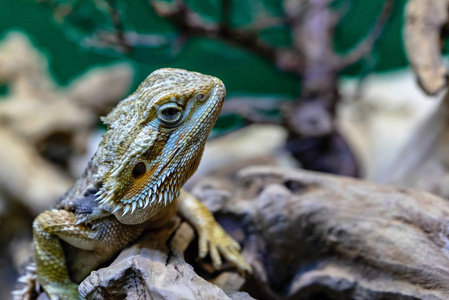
(309, 235)
(425, 22)
(154, 268)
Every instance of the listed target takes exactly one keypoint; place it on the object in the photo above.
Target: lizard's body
(154, 143)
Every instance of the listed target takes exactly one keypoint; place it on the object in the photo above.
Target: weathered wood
(424, 23)
(422, 164)
(309, 235)
(154, 268)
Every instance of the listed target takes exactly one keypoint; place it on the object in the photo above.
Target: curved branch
(424, 23)
(366, 45)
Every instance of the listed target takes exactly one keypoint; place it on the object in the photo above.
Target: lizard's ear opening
(139, 169)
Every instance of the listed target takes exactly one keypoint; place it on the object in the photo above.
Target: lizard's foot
(215, 240)
(63, 292)
(212, 237)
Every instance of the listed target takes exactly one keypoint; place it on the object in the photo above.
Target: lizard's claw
(214, 240)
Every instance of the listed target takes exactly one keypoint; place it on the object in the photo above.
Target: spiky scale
(165, 198)
(117, 208)
(161, 198)
(126, 209)
(153, 198)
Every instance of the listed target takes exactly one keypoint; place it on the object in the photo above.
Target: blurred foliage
(60, 28)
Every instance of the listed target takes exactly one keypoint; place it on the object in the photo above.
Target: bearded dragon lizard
(154, 143)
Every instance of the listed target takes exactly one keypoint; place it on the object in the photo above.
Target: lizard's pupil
(170, 112)
(170, 115)
(139, 170)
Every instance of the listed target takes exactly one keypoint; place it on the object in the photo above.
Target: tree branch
(366, 45)
(105, 39)
(118, 26)
(191, 23)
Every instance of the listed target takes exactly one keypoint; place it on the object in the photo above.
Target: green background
(242, 72)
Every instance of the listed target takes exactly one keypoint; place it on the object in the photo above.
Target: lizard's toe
(215, 256)
(218, 243)
(234, 256)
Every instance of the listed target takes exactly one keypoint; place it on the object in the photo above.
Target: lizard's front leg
(212, 237)
(51, 266)
(103, 238)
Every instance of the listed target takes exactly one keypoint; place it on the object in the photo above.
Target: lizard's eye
(169, 114)
(139, 169)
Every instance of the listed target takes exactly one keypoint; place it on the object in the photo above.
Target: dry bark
(154, 268)
(26, 175)
(424, 22)
(423, 162)
(309, 235)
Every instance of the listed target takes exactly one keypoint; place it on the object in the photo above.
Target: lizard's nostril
(201, 97)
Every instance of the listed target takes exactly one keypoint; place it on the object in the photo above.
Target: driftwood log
(154, 268)
(307, 236)
(426, 23)
(423, 162)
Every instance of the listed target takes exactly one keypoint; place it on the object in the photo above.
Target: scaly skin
(154, 143)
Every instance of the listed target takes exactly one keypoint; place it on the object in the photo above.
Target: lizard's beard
(159, 189)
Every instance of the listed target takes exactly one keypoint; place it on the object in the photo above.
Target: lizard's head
(155, 141)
